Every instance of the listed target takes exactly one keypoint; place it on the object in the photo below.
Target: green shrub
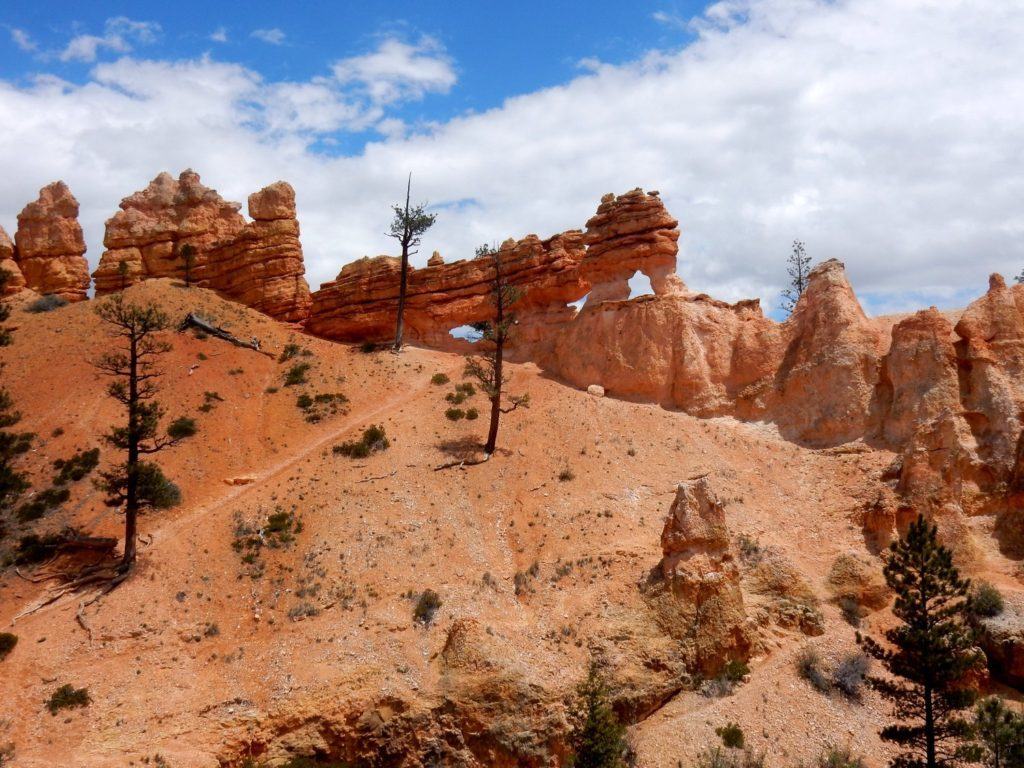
(304, 401)
(454, 414)
(472, 414)
(985, 600)
(810, 667)
(7, 643)
(439, 379)
(296, 374)
(735, 670)
(466, 388)
(68, 697)
(427, 606)
(77, 467)
(42, 503)
(289, 351)
(47, 303)
(374, 439)
(455, 398)
(182, 427)
(731, 735)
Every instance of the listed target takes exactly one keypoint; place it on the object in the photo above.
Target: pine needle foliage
(927, 654)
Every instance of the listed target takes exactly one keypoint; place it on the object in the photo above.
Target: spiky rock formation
(50, 248)
(258, 264)
(701, 605)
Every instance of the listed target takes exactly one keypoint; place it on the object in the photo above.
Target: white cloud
(398, 71)
(273, 36)
(673, 20)
(219, 35)
(22, 39)
(887, 133)
(119, 36)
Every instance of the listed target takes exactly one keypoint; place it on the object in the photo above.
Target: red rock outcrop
(362, 302)
(258, 264)
(629, 233)
(919, 376)
(827, 375)
(702, 604)
(50, 247)
(16, 281)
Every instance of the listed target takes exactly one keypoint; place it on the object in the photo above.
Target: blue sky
(886, 133)
(497, 49)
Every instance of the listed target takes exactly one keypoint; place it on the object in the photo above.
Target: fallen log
(193, 320)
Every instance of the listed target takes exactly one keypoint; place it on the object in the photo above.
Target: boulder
(50, 247)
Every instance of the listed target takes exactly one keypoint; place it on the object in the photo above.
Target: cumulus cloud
(22, 39)
(399, 71)
(272, 36)
(119, 36)
(886, 133)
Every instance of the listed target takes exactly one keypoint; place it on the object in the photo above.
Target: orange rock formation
(50, 247)
(258, 264)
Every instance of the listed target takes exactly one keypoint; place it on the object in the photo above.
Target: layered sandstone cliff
(258, 263)
(49, 246)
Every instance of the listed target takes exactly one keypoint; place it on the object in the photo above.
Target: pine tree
(597, 738)
(799, 269)
(136, 483)
(489, 368)
(929, 653)
(999, 733)
(12, 444)
(188, 259)
(407, 228)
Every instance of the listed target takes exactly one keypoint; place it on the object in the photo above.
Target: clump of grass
(302, 611)
(986, 601)
(455, 398)
(318, 407)
(374, 439)
(47, 303)
(731, 735)
(297, 374)
(439, 379)
(68, 697)
(472, 414)
(735, 670)
(838, 757)
(750, 548)
(810, 667)
(455, 414)
(7, 643)
(427, 606)
(848, 676)
(270, 390)
(77, 467)
(210, 400)
(290, 350)
(566, 475)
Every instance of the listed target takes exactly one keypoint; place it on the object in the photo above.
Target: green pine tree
(12, 444)
(928, 654)
(597, 738)
(999, 732)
